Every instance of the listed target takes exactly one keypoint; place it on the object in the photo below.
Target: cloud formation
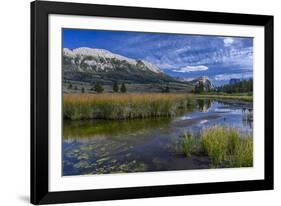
(228, 41)
(191, 69)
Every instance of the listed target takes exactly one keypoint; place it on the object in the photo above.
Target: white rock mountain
(89, 64)
(206, 82)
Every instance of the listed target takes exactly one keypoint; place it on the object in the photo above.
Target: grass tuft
(243, 155)
(188, 144)
(226, 147)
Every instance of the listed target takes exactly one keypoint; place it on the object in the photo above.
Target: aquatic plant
(215, 144)
(80, 129)
(247, 115)
(188, 144)
(243, 155)
(227, 147)
(124, 106)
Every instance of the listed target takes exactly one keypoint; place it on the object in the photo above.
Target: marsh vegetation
(226, 147)
(124, 106)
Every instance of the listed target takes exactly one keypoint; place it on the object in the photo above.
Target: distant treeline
(244, 86)
(98, 87)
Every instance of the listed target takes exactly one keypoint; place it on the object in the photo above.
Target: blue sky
(220, 58)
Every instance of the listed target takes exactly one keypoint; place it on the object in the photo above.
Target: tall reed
(243, 156)
(188, 144)
(225, 147)
(123, 106)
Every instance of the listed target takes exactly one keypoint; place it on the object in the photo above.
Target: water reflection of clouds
(203, 121)
(185, 117)
(228, 110)
(231, 115)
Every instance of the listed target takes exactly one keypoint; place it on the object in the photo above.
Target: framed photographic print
(133, 102)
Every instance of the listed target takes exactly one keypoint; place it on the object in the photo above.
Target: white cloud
(228, 41)
(223, 77)
(188, 79)
(176, 51)
(191, 69)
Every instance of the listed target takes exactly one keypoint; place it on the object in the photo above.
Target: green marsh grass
(188, 144)
(243, 156)
(226, 147)
(124, 106)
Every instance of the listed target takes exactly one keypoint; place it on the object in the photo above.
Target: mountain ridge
(85, 63)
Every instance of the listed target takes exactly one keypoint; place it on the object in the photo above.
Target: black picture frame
(39, 102)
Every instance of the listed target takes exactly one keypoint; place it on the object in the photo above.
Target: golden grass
(123, 106)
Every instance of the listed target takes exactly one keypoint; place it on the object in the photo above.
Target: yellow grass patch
(123, 106)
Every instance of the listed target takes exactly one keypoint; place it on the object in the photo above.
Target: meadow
(112, 106)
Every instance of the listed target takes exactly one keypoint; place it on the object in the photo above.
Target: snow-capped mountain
(90, 64)
(100, 60)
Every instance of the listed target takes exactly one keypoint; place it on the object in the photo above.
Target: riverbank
(242, 97)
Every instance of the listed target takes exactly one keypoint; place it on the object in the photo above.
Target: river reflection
(103, 146)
